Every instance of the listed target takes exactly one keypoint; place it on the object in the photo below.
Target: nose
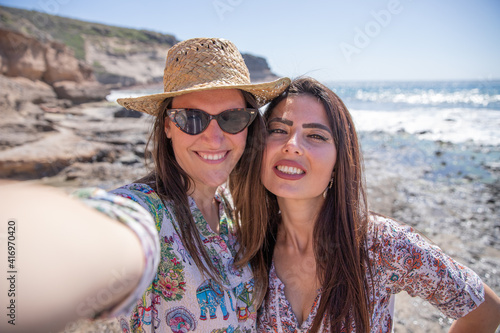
(292, 146)
(213, 134)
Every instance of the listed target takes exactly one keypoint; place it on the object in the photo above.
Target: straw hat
(203, 64)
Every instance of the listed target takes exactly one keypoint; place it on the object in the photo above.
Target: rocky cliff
(117, 56)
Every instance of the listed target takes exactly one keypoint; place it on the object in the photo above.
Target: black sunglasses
(194, 121)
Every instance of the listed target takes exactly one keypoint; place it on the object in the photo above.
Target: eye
(276, 131)
(318, 137)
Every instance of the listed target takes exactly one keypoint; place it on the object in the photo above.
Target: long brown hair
(340, 230)
(173, 184)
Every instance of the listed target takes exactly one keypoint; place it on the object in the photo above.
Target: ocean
(446, 111)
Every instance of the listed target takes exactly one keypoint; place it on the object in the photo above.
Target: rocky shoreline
(446, 191)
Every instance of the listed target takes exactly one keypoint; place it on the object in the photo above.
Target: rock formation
(258, 68)
(53, 63)
(118, 57)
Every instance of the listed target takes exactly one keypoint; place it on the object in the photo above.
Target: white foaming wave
(115, 94)
(452, 125)
(429, 97)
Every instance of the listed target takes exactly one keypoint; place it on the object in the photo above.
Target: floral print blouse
(401, 259)
(179, 298)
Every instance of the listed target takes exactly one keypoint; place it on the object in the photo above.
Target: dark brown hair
(173, 184)
(340, 230)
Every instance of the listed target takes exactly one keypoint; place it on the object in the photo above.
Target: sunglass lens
(191, 121)
(233, 121)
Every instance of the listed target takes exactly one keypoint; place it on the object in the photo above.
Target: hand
(69, 261)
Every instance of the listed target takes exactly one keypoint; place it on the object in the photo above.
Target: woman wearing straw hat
(175, 267)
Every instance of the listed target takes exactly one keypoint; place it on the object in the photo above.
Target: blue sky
(329, 40)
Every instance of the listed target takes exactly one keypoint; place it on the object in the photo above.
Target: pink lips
(289, 164)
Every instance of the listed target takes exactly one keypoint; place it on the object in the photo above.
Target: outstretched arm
(70, 261)
(485, 318)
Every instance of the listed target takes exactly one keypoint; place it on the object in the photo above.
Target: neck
(205, 201)
(298, 220)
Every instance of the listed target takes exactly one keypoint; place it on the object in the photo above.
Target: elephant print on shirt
(210, 295)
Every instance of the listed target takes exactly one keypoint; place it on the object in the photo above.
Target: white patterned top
(401, 260)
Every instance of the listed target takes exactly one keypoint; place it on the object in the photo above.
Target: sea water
(446, 111)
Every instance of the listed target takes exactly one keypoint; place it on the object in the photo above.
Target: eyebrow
(316, 125)
(308, 125)
(281, 120)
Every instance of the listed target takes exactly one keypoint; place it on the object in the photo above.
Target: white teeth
(290, 170)
(212, 157)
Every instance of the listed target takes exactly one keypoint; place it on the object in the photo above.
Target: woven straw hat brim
(263, 92)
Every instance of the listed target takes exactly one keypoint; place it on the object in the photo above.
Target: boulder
(33, 91)
(18, 96)
(115, 80)
(23, 132)
(126, 113)
(47, 156)
(80, 92)
(61, 64)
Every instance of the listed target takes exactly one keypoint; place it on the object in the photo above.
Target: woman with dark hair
(164, 261)
(327, 263)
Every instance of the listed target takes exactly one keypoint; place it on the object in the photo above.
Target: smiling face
(209, 157)
(300, 151)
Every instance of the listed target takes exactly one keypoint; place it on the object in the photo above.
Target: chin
(215, 180)
(297, 194)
